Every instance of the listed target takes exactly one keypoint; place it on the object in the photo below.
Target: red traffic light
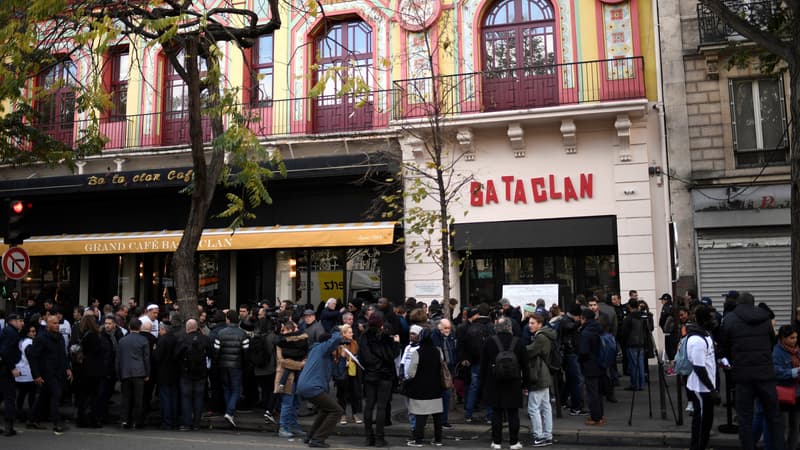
(17, 207)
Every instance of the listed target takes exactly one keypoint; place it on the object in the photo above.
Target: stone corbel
(80, 165)
(416, 146)
(569, 137)
(623, 126)
(516, 135)
(465, 141)
(712, 67)
(119, 162)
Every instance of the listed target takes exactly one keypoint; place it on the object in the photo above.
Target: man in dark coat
(503, 395)
(470, 344)
(230, 346)
(9, 357)
(633, 341)
(133, 370)
(593, 372)
(746, 342)
(167, 376)
(192, 352)
(51, 371)
(569, 336)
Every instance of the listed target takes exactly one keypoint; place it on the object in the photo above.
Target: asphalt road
(112, 438)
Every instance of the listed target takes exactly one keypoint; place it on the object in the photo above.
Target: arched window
(344, 55)
(519, 44)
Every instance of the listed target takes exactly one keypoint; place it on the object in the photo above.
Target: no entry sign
(16, 263)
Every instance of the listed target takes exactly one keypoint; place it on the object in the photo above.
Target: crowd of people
(346, 361)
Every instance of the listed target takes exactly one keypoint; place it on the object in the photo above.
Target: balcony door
(344, 60)
(176, 107)
(57, 107)
(519, 51)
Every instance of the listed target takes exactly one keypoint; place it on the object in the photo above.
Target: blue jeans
(231, 387)
(193, 393)
(290, 406)
(168, 396)
(574, 380)
(472, 393)
(446, 394)
(540, 413)
(636, 367)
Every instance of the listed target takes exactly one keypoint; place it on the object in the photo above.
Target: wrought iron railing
(713, 30)
(520, 88)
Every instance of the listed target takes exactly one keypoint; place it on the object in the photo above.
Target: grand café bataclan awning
(245, 238)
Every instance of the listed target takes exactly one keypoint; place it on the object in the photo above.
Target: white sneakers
(496, 446)
(517, 446)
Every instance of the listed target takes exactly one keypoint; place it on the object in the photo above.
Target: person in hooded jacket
(377, 350)
(539, 380)
(569, 336)
(701, 383)
(424, 393)
(593, 372)
(746, 341)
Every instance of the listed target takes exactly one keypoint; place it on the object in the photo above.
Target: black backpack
(555, 359)
(506, 364)
(194, 359)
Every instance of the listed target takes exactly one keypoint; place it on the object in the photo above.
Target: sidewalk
(644, 431)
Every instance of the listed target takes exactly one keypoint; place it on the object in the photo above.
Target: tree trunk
(184, 264)
(444, 225)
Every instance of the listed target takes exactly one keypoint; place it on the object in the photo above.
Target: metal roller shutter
(761, 266)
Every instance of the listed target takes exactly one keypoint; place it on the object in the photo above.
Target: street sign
(16, 263)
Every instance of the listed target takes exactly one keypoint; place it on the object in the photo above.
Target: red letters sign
(537, 190)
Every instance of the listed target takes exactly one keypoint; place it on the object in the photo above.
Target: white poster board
(522, 294)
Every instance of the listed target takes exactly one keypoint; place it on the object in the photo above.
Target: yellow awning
(245, 238)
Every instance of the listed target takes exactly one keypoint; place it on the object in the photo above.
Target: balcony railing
(521, 88)
(715, 31)
(296, 116)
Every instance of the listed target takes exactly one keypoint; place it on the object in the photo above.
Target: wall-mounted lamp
(292, 267)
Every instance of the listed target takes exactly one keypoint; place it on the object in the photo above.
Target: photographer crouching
(313, 386)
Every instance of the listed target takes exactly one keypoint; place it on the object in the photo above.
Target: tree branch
(765, 40)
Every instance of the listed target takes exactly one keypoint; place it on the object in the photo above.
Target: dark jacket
(230, 346)
(294, 346)
(133, 357)
(168, 365)
(330, 318)
(746, 341)
(108, 348)
(92, 355)
(447, 344)
(538, 353)
(314, 331)
(426, 367)
(48, 357)
(589, 349)
(377, 351)
(316, 375)
(502, 394)
(471, 341)
(9, 350)
(633, 331)
(569, 334)
(182, 348)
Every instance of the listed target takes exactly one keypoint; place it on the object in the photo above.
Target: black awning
(567, 232)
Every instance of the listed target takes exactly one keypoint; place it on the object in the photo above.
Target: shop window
(519, 55)
(320, 276)
(51, 278)
(519, 270)
(482, 280)
(262, 68)
(363, 274)
(600, 273)
(758, 114)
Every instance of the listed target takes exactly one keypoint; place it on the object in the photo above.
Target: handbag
(787, 395)
(446, 376)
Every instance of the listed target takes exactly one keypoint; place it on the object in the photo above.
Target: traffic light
(17, 229)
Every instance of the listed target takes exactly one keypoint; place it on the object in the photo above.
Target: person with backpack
(569, 337)
(594, 372)
(290, 353)
(543, 344)
(230, 347)
(193, 352)
(700, 385)
(504, 364)
(470, 345)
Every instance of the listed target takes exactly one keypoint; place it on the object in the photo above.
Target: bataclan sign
(534, 190)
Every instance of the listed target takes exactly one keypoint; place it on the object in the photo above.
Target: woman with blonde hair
(348, 381)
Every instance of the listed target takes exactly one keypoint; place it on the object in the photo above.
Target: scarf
(794, 353)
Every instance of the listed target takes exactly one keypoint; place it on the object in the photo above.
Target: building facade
(553, 106)
(727, 132)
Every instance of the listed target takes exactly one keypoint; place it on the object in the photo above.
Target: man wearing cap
(666, 321)
(9, 357)
(311, 326)
(151, 316)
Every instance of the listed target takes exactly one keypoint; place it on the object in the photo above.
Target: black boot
(10, 431)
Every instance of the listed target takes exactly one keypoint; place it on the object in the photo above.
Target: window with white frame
(758, 116)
